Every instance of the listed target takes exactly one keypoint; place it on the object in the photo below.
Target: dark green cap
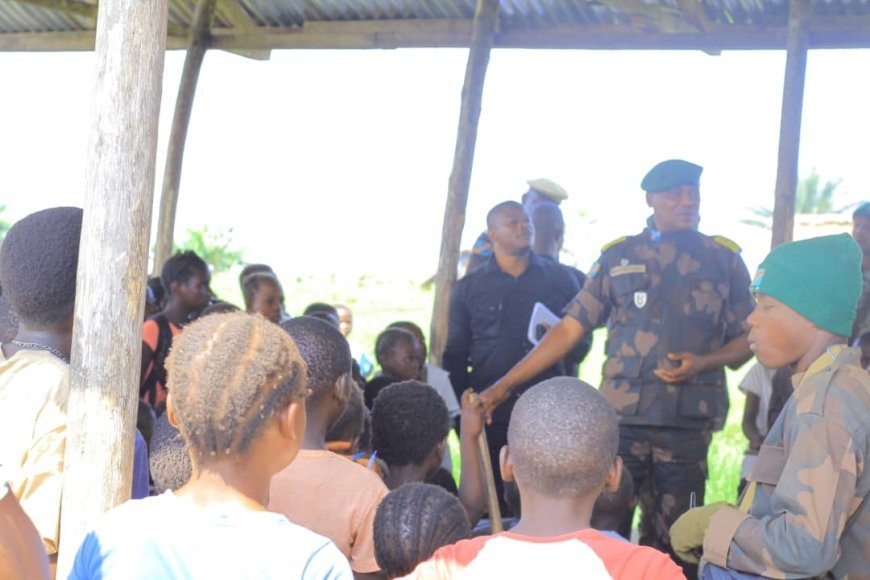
(671, 173)
(819, 278)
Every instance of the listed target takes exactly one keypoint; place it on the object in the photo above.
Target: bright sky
(338, 161)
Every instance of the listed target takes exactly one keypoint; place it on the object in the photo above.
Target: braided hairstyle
(228, 374)
(408, 420)
(412, 522)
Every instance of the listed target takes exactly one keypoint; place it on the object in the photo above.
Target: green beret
(670, 174)
(862, 211)
(819, 278)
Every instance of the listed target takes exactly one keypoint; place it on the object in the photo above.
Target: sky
(337, 162)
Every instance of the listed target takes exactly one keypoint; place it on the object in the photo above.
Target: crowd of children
(262, 450)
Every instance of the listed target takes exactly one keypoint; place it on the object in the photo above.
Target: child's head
(345, 319)
(232, 377)
(807, 295)
(413, 329)
(350, 426)
(38, 262)
(562, 442)
(254, 269)
(412, 522)
(185, 276)
(327, 355)
(262, 293)
(611, 506)
(219, 307)
(158, 291)
(409, 424)
(169, 461)
(399, 353)
(323, 311)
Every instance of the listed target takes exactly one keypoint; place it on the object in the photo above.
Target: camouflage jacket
(660, 294)
(809, 515)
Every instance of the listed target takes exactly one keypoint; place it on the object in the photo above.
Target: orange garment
(587, 554)
(334, 497)
(150, 335)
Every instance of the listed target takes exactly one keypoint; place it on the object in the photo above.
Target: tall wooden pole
(200, 36)
(113, 261)
(483, 31)
(790, 122)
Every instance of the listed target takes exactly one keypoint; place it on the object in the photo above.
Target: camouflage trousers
(667, 465)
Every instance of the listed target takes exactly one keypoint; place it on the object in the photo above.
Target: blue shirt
(165, 537)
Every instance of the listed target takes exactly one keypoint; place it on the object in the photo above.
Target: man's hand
(492, 398)
(473, 415)
(687, 533)
(690, 365)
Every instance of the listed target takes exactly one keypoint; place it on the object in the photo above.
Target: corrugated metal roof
(638, 16)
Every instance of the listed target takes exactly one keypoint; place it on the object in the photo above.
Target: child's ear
(341, 388)
(170, 411)
(614, 474)
(291, 421)
(506, 464)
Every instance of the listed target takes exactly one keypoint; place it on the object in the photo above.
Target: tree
(809, 199)
(215, 247)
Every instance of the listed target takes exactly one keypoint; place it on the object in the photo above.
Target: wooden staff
(489, 478)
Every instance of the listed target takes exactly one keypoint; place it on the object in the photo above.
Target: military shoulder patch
(615, 242)
(728, 244)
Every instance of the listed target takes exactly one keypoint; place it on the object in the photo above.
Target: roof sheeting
(264, 24)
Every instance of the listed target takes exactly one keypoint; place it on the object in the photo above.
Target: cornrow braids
(324, 349)
(228, 374)
(412, 522)
(38, 262)
(408, 420)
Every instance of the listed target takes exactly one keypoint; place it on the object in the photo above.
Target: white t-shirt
(439, 379)
(759, 382)
(165, 537)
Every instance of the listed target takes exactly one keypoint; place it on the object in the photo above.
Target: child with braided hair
(237, 388)
(412, 522)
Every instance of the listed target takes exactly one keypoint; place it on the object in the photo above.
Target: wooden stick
(489, 478)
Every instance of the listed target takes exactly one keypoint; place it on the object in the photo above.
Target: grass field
(376, 303)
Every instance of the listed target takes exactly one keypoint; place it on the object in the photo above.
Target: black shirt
(489, 320)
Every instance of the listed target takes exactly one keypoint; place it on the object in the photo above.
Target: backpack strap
(157, 375)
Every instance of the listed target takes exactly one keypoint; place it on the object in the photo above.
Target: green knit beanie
(819, 278)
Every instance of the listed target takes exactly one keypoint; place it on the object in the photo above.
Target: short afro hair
(38, 263)
(610, 507)
(408, 420)
(498, 209)
(388, 340)
(412, 522)
(228, 374)
(324, 349)
(326, 312)
(563, 436)
(181, 267)
(169, 462)
(252, 283)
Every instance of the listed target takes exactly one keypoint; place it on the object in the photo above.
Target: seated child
(323, 311)
(414, 521)
(262, 293)
(236, 393)
(805, 511)
(321, 490)
(34, 367)
(185, 276)
(346, 436)
(409, 425)
(611, 506)
(561, 451)
(400, 356)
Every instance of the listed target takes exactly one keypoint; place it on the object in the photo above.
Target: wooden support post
(790, 122)
(113, 261)
(199, 39)
(483, 33)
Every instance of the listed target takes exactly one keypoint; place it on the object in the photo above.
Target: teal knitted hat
(819, 278)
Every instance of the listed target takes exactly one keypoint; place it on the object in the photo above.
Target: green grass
(376, 303)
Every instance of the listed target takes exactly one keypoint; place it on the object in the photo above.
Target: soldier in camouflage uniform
(675, 302)
(808, 513)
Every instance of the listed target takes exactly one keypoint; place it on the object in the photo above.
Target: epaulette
(726, 243)
(615, 242)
